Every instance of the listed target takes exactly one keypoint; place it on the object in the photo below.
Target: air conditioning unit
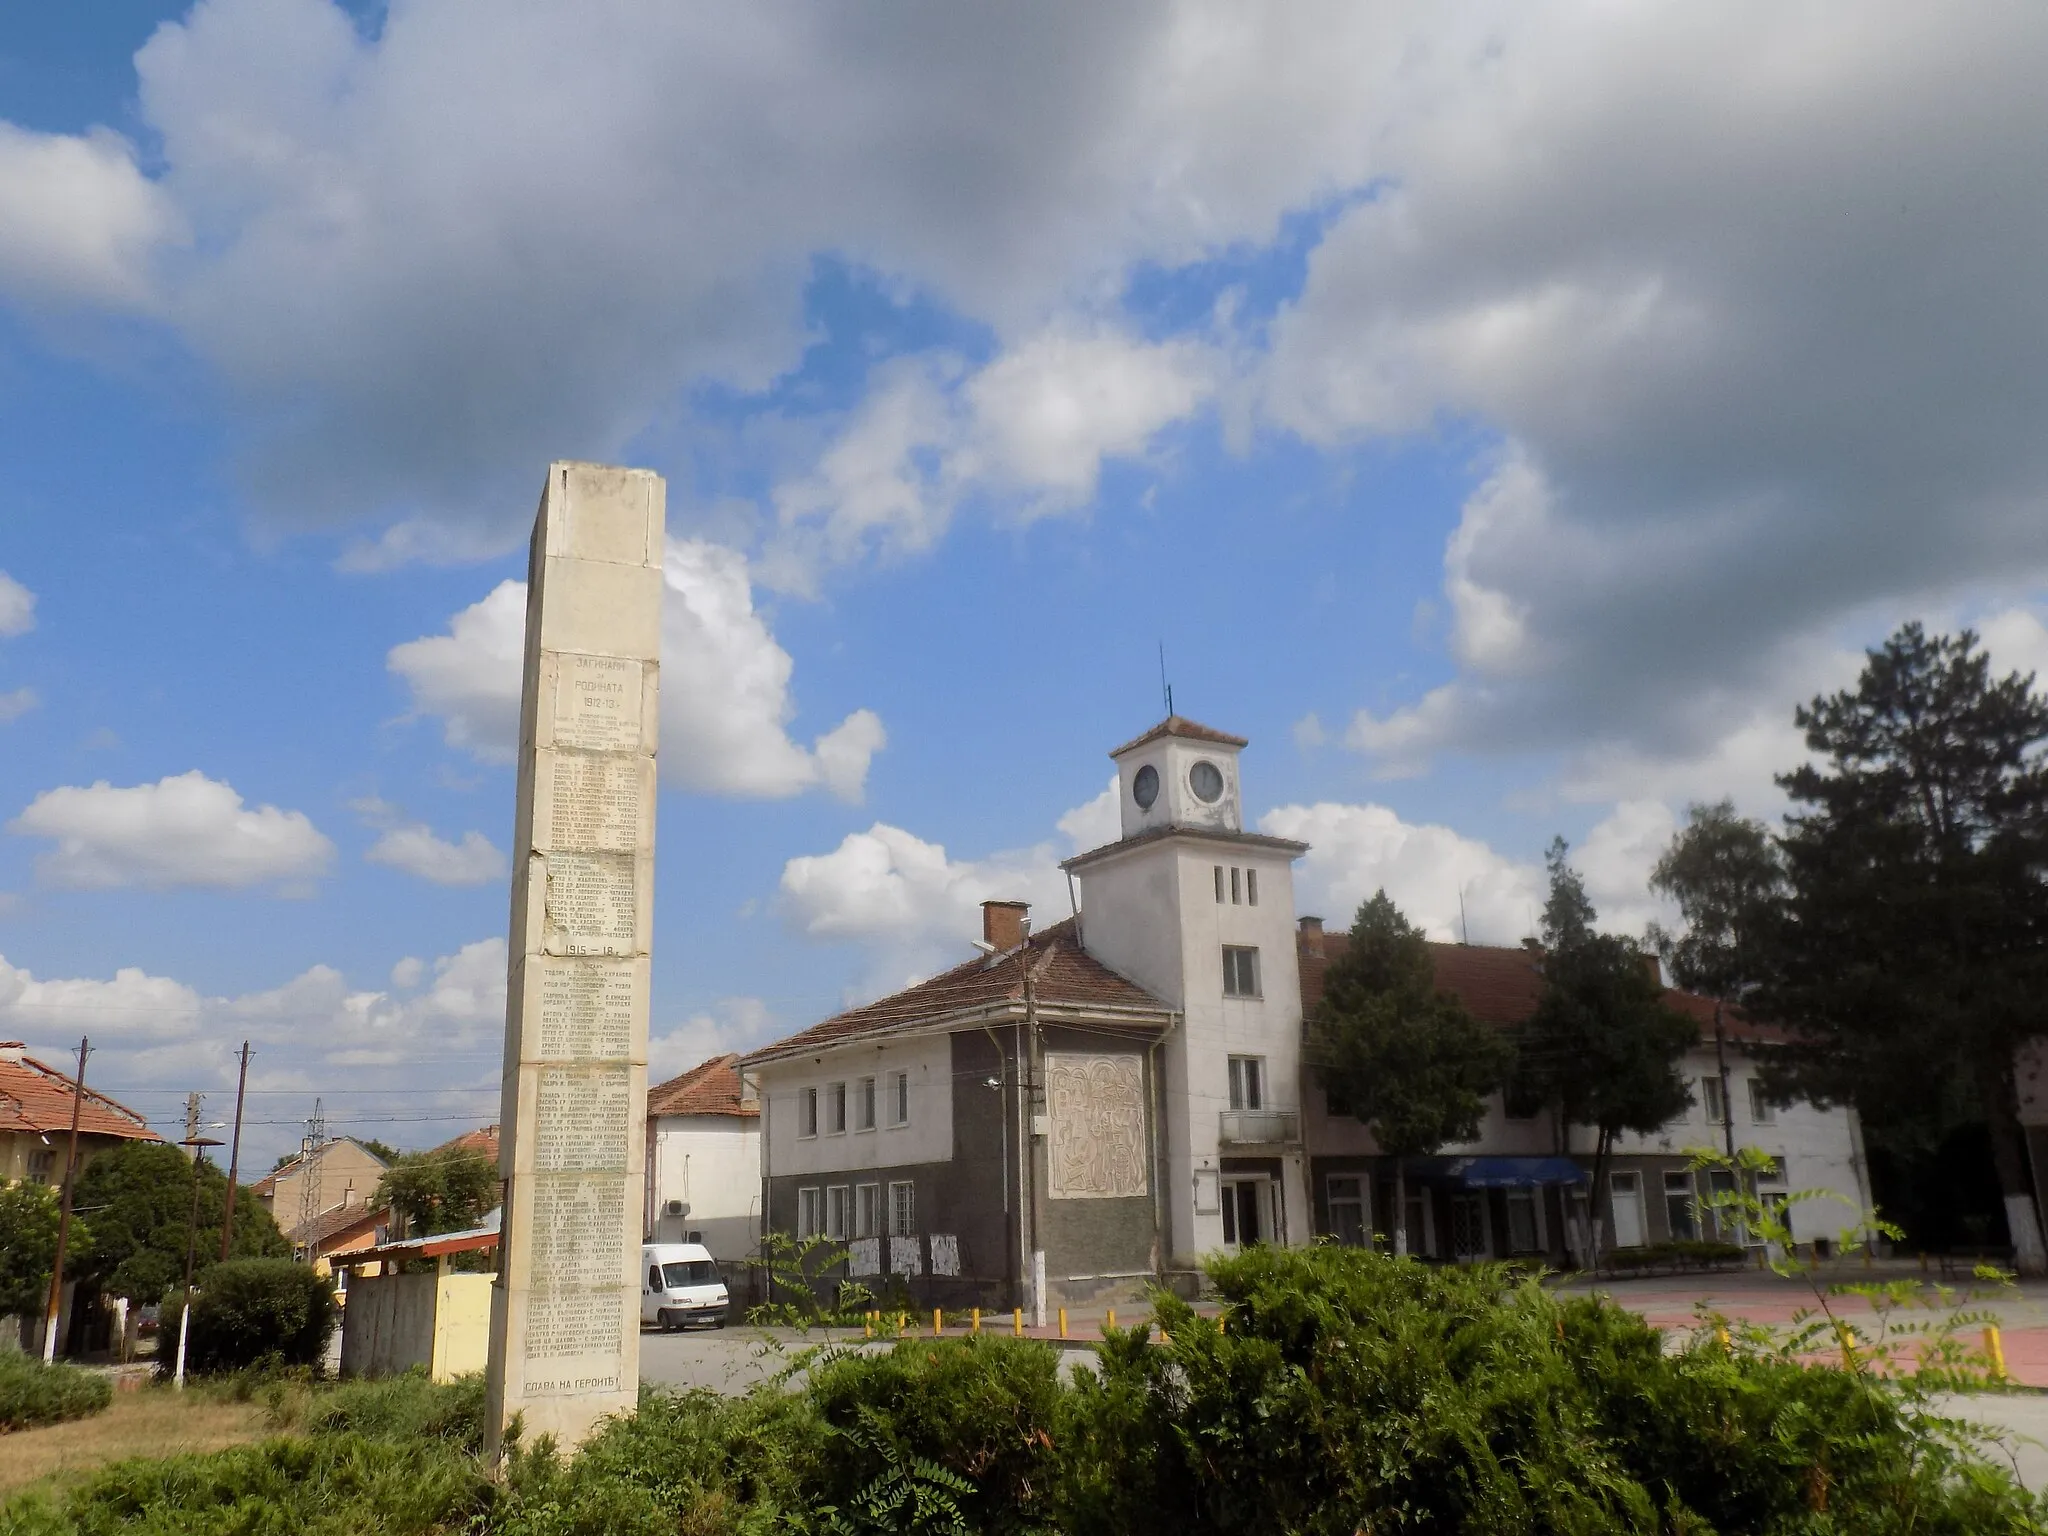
(675, 1208)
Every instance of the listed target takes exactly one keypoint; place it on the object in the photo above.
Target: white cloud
(2017, 641)
(17, 606)
(186, 830)
(725, 686)
(1094, 823)
(79, 223)
(1030, 432)
(415, 850)
(133, 1008)
(733, 1024)
(16, 703)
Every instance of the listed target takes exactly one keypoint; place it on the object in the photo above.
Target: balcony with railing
(1259, 1128)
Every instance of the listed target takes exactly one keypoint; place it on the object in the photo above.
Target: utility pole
(227, 1215)
(64, 1214)
(192, 1103)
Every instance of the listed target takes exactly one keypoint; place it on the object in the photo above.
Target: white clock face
(1145, 787)
(1206, 780)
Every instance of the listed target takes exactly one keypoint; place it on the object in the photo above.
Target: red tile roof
(1064, 976)
(1180, 725)
(340, 1222)
(37, 1097)
(709, 1088)
(483, 1141)
(1501, 986)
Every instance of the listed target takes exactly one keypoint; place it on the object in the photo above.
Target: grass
(155, 1421)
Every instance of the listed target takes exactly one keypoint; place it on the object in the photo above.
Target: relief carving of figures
(1098, 1126)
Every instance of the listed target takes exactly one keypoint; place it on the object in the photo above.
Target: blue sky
(1502, 417)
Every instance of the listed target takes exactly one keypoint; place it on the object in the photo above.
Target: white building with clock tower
(1200, 913)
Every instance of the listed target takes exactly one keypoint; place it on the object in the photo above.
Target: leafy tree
(1601, 1049)
(1724, 872)
(1913, 960)
(1409, 1061)
(136, 1201)
(450, 1189)
(28, 1247)
(383, 1150)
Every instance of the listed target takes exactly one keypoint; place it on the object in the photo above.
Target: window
(1710, 1095)
(1335, 1105)
(1523, 1236)
(1761, 1109)
(1678, 1207)
(42, 1166)
(867, 1210)
(1219, 885)
(864, 1104)
(899, 1098)
(654, 1277)
(1347, 1209)
(1236, 891)
(1625, 1195)
(688, 1272)
(902, 1209)
(808, 1214)
(835, 1110)
(1240, 971)
(1251, 887)
(1727, 1223)
(1247, 1085)
(837, 1199)
(807, 1112)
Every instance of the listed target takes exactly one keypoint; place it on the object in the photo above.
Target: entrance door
(1247, 1215)
(1626, 1190)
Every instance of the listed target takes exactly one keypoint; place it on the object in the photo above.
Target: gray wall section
(388, 1325)
(1095, 1246)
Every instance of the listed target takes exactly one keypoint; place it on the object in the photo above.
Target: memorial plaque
(565, 1314)
(592, 906)
(594, 801)
(597, 703)
(586, 1009)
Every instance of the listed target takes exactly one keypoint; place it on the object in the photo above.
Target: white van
(680, 1285)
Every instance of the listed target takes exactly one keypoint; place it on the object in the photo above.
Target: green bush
(253, 1312)
(1686, 1253)
(33, 1393)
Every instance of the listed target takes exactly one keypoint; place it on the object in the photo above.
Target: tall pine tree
(1914, 954)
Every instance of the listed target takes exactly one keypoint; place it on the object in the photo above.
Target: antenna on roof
(1165, 688)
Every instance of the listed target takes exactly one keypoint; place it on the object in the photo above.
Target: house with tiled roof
(337, 1174)
(36, 1103)
(704, 1163)
(1521, 1188)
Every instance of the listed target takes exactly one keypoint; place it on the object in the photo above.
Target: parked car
(680, 1285)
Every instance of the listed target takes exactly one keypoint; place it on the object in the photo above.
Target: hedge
(33, 1393)
(250, 1312)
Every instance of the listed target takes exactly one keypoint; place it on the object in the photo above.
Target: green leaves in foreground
(1341, 1392)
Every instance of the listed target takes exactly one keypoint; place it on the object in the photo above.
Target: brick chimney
(1004, 923)
(1312, 936)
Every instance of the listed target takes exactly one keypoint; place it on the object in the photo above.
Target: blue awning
(1498, 1172)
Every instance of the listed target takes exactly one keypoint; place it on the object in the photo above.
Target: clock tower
(1200, 913)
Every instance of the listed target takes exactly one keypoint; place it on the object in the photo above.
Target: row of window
(1351, 1218)
(1761, 1110)
(841, 1211)
(827, 1107)
(1243, 886)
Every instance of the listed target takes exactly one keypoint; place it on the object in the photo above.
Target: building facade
(704, 1164)
(1098, 1105)
(36, 1102)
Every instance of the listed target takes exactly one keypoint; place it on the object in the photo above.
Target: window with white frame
(1679, 1215)
(1348, 1216)
(837, 1198)
(864, 1104)
(1710, 1096)
(902, 1208)
(899, 1098)
(1240, 971)
(809, 1213)
(867, 1210)
(835, 1110)
(807, 1112)
(1247, 1082)
(1761, 1110)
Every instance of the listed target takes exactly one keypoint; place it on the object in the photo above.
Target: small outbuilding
(409, 1314)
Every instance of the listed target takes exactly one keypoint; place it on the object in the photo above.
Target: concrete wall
(713, 1164)
(928, 1138)
(395, 1322)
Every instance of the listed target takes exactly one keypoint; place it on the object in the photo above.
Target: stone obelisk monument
(565, 1316)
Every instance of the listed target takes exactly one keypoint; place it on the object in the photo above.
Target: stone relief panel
(1098, 1127)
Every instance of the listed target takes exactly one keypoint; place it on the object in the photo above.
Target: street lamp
(198, 1144)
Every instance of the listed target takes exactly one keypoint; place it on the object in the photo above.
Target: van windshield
(689, 1272)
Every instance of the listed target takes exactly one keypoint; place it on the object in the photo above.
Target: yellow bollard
(1721, 1334)
(867, 1327)
(1063, 1322)
(1994, 1346)
(1016, 1322)
(1111, 1320)
(1165, 1337)
(902, 1323)
(976, 1324)
(937, 1328)
(1848, 1338)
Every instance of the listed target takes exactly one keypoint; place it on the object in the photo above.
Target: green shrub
(33, 1393)
(253, 1312)
(1686, 1253)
